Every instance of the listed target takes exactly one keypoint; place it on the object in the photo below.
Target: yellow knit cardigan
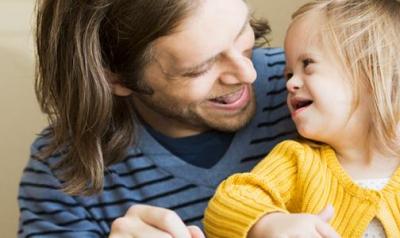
(296, 178)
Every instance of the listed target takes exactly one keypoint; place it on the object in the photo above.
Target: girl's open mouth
(299, 104)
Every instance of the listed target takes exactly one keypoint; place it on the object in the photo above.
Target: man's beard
(193, 117)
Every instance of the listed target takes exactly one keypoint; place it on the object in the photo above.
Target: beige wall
(278, 13)
(20, 116)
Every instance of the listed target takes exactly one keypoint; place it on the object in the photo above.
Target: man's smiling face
(201, 75)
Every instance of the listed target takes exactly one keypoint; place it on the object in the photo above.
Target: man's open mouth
(234, 101)
(229, 98)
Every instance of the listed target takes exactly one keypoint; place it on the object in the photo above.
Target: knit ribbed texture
(296, 178)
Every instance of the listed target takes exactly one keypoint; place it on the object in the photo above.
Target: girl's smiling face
(321, 99)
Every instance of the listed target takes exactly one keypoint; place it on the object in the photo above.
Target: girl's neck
(362, 160)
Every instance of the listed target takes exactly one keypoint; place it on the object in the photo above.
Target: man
(151, 106)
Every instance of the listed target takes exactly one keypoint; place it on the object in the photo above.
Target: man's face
(201, 75)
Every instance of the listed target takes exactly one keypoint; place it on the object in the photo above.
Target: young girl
(343, 72)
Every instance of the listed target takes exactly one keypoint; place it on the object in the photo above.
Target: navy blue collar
(202, 150)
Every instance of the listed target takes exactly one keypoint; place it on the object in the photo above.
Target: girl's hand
(281, 225)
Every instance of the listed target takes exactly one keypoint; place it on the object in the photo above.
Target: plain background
(21, 119)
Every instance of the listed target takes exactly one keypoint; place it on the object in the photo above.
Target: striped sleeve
(45, 211)
(242, 199)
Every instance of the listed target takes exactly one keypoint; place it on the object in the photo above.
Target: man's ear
(116, 85)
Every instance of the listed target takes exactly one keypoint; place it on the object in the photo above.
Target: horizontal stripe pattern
(277, 91)
(275, 107)
(45, 211)
(65, 233)
(276, 77)
(274, 122)
(273, 137)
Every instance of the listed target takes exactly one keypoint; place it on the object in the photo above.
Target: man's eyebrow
(212, 59)
(199, 67)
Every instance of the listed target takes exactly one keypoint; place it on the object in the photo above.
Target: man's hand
(152, 222)
(294, 225)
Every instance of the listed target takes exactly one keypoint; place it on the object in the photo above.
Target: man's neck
(166, 125)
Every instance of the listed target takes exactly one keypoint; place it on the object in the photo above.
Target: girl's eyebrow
(312, 55)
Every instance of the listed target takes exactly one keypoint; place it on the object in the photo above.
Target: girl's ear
(116, 85)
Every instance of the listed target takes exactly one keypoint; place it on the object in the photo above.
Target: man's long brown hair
(79, 44)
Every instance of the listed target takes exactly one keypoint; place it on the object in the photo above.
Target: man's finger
(161, 218)
(195, 232)
(147, 231)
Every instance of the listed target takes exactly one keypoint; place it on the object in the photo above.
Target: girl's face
(320, 95)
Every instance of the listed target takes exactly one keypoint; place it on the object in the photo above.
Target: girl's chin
(307, 134)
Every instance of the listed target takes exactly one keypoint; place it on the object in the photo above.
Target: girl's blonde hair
(364, 35)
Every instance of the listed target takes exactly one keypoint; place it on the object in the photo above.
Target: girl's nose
(294, 84)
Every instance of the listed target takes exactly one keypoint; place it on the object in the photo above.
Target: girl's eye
(307, 62)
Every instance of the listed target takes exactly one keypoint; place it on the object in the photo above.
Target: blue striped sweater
(150, 174)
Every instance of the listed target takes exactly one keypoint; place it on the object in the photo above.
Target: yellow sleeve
(244, 198)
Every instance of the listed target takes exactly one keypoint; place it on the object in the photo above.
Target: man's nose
(239, 69)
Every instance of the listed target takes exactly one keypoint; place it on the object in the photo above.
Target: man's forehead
(176, 57)
(202, 36)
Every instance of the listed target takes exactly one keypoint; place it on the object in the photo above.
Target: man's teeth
(219, 100)
(228, 99)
